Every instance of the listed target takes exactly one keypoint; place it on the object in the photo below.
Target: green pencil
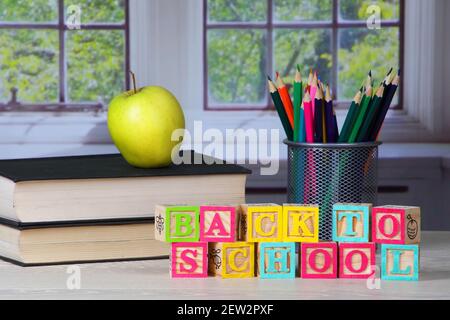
(298, 97)
(280, 109)
(371, 114)
(362, 113)
(348, 123)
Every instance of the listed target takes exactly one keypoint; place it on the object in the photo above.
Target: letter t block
(177, 223)
(351, 222)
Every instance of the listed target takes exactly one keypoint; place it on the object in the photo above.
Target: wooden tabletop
(150, 280)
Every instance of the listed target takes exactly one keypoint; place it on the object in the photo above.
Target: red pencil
(286, 99)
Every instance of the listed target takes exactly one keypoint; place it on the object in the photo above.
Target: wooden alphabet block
(189, 260)
(351, 222)
(261, 222)
(300, 223)
(177, 223)
(231, 259)
(276, 260)
(318, 260)
(356, 260)
(400, 262)
(396, 224)
(218, 223)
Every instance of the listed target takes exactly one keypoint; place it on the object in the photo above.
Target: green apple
(141, 123)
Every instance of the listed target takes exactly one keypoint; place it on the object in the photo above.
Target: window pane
(307, 47)
(236, 66)
(358, 9)
(303, 10)
(97, 10)
(361, 50)
(29, 62)
(95, 64)
(29, 11)
(237, 10)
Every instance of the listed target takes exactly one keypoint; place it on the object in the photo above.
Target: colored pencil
(330, 119)
(280, 109)
(363, 135)
(318, 117)
(309, 120)
(286, 99)
(348, 123)
(362, 111)
(388, 96)
(313, 92)
(298, 97)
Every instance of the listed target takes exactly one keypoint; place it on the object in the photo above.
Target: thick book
(81, 243)
(45, 191)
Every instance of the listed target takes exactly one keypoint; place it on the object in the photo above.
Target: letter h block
(318, 260)
(400, 262)
(231, 259)
(300, 223)
(218, 224)
(396, 225)
(189, 260)
(261, 222)
(177, 223)
(276, 260)
(351, 222)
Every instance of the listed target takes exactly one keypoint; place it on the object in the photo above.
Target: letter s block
(261, 222)
(177, 223)
(396, 225)
(218, 224)
(300, 223)
(276, 260)
(356, 260)
(231, 259)
(351, 222)
(189, 260)
(318, 260)
(400, 262)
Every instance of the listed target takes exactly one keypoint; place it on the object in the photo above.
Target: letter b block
(396, 224)
(318, 260)
(351, 222)
(217, 224)
(261, 222)
(300, 223)
(177, 223)
(400, 262)
(276, 260)
(189, 260)
(356, 260)
(231, 260)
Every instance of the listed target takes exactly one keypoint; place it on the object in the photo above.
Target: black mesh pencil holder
(325, 174)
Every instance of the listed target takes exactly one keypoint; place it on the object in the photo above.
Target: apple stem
(133, 77)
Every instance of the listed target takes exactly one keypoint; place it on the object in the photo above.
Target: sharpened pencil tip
(298, 67)
(370, 73)
(399, 72)
(277, 74)
(390, 70)
(268, 78)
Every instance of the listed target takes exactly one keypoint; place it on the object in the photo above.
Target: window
(62, 55)
(244, 41)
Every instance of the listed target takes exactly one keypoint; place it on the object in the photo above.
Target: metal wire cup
(326, 174)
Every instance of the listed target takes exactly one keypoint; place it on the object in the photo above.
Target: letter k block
(300, 223)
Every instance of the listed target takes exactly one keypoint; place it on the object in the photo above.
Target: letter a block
(400, 262)
(217, 224)
(396, 224)
(261, 222)
(177, 223)
(351, 222)
(356, 260)
(189, 260)
(276, 260)
(318, 260)
(300, 223)
(231, 260)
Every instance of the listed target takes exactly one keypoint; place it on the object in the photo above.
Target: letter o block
(300, 223)
(276, 260)
(351, 222)
(189, 260)
(396, 225)
(231, 260)
(318, 260)
(261, 222)
(217, 224)
(356, 260)
(177, 223)
(400, 262)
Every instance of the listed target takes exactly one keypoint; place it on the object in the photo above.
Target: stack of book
(99, 208)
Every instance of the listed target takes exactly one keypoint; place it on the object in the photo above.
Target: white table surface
(150, 280)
